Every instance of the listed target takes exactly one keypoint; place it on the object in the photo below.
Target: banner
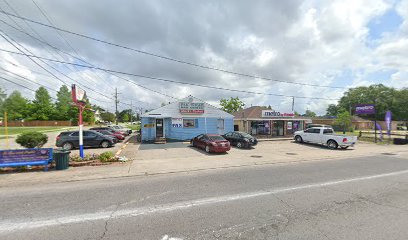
(25, 155)
(388, 116)
(378, 126)
(365, 109)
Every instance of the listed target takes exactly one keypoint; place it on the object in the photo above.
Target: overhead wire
(170, 58)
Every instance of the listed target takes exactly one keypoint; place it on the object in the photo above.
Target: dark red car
(211, 143)
(116, 135)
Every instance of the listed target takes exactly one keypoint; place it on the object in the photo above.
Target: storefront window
(278, 128)
(189, 123)
(260, 128)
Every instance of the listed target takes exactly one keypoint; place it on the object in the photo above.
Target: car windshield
(216, 138)
(244, 134)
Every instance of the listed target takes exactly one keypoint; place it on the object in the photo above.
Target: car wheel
(67, 146)
(193, 144)
(332, 144)
(105, 144)
(298, 139)
(344, 147)
(239, 145)
(207, 149)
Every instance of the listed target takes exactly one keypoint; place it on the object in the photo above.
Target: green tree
(108, 116)
(16, 106)
(64, 108)
(42, 106)
(3, 97)
(309, 113)
(343, 119)
(231, 105)
(332, 110)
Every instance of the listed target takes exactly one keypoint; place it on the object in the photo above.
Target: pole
(116, 105)
(81, 136)
(375, 122)
(131, 107)
(6, 130)
(293, 104)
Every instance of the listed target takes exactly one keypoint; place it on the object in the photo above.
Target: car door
(203, 141)
(197, 140)
(228, 136)
(306, 136)
(90, 139)
(235, 138)
(315, 135)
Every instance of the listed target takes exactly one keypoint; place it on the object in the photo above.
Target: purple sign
(378, 126)
(365, 109)
(388, 122)
(25, 155)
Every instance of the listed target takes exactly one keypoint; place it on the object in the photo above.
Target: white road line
(7, 226)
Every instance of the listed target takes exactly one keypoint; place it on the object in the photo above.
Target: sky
(336, 44)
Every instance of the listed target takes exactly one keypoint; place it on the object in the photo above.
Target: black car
(240, 139)
(70, 140)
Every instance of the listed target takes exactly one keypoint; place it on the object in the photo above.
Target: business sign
(365, 109)
(272, 114)
(177, 122)
(25, 155)
(191, 107)
(78, 94)
(148, 125)
(388, 116)
(378, 126)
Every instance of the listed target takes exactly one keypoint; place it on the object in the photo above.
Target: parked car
(211, 143)
(70, 140)
(240, 139)
(115, 135)
(109, 130)
(120, 129)
(325, 136)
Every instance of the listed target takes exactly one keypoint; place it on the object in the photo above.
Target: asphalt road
(362, 198)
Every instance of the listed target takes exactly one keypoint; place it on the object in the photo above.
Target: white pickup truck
(325, 136)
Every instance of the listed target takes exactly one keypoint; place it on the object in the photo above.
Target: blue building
(185, 119)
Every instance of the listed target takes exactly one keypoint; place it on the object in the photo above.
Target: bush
(32, 139)
(107, 157)
(87, 157)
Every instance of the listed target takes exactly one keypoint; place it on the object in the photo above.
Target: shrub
(32, 139)
(87, 157)
(107, 157)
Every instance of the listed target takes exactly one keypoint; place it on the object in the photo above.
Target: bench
(26, 157)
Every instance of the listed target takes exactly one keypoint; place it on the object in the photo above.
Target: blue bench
(26, 157)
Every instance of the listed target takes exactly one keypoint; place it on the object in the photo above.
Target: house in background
(184, 120)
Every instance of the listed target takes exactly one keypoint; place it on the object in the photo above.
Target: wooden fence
(39, 123)
(370, 136)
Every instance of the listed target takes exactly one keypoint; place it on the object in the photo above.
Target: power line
(82, 60)
(172, 81)
(169, 58)
(22, 86)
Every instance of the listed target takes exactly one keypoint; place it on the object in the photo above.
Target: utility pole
(116, 105)
(293, 104)
(131, 108)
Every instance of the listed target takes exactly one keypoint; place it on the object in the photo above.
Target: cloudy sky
(341, 44)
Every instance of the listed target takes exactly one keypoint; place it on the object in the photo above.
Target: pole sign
(388, 116)
(272, 113)
(365, 109)
(79, 98)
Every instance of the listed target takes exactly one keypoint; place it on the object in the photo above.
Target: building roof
(172, 110)
(255, 112)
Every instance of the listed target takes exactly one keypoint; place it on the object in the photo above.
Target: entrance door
(278, 128)
(159, 128)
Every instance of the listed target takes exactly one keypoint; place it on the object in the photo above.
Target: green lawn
(134, 127)
(19, 130)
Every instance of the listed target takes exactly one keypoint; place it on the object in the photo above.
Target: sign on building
(365, 109)
(177, 122)
(276, 114)
(191, 107)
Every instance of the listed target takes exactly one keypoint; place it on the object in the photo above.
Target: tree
(3, 96)
(16, 106)
(108, 116)
(42, 106)
(332, 110)
(231, 105)
(64, 108)
(343, 119)
(309, 113)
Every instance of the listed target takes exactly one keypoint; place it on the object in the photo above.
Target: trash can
(61, 158)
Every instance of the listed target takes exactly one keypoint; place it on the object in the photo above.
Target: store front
(265, 123)
(185, 119)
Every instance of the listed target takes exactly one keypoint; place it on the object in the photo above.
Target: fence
(39, 123)
(370, 136)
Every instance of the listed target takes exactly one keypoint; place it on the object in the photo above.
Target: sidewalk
(169, 160)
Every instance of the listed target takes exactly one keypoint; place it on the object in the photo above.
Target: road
(360, 198)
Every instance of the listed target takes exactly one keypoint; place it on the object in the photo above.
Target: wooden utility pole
(6, 130)
(116, 105)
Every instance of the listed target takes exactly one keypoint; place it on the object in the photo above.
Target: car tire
(105, 144)
(298, 139)
(192, 144)
(207, 149)
(331, 144)
(68, 146)
(239, 145)
(344, 147)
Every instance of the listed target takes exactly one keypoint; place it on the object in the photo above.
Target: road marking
(15, 226)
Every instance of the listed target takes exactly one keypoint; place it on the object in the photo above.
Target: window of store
(260, 128)
(189, 123)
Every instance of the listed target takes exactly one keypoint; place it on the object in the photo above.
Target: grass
(135, 127)
(19, 130)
